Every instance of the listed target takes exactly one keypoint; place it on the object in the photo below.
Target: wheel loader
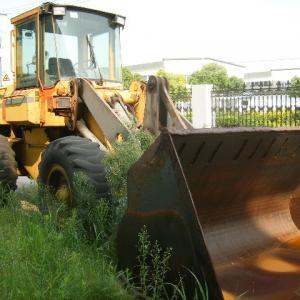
(225, 200)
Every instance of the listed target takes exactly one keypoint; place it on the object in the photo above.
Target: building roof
(205, 58)
(286, 69)
(154, 65)
(160, 64)
(272, 64)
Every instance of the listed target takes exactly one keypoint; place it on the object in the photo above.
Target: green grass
(42, 258)
(67, 255)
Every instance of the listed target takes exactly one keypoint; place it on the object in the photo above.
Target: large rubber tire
(68, 155)
(8, 164)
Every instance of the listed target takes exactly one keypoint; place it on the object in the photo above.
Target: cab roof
(47, 8)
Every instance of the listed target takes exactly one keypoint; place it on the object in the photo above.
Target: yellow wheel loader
(226, 201)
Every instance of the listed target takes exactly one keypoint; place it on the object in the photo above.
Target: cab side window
(49, 70)
(26, 61)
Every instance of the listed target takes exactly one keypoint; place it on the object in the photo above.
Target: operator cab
(55, 42)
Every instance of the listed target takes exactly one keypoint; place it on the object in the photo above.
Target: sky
(233, 30)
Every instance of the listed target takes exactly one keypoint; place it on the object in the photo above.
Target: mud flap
(228, 202)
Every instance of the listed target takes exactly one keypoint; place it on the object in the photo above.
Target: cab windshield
(81, 44)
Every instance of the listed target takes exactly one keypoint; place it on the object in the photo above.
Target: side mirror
(28, 34)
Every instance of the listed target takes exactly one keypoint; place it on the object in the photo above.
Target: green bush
(129, 77)
(119, 161)
(177, 85)
(94, 218)
(258, 119)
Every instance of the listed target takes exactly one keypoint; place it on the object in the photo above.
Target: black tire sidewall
(50, 159)
(8, 164)
(59, 152)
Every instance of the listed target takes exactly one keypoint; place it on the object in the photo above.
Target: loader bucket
(228, 203)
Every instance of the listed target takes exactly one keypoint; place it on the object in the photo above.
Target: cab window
(26, 61)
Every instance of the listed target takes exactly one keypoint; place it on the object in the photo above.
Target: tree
(235, 83)
(210, 74)
(177, 85)
(216, 75)
(129, 76)
(295, 86)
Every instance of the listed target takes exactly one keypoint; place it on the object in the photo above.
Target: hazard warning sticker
(5, 78)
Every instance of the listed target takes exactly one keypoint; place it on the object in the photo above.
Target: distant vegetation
(177, 85)
(129, 76)
(217, 75)
(209, 74)
(295, 86)
(258, 119)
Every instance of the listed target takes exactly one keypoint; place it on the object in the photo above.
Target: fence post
(202, 106)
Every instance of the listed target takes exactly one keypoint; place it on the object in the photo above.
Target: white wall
(201, 106)
(284, 75)
(273, 75)
(280, 69)
(259, 78)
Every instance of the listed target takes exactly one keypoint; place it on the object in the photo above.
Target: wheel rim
(59, 183)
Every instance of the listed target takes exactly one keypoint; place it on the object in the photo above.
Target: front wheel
(69, 155)
(8, 164)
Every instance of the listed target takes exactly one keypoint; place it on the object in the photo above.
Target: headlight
(59, 11)
(119, 20)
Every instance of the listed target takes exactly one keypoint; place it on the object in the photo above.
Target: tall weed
(43, 257)
(149, 282)
(119, 161)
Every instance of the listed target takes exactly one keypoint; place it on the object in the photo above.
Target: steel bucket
(228, 203)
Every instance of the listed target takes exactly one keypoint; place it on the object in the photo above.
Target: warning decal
(5, 78)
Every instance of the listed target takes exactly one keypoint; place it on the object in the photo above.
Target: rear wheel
(69, 155)
(8, 164)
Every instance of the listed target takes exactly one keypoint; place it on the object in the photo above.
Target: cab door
(22, 106)
(26, 54)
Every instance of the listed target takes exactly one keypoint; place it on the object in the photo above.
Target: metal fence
(271, 106)
(184, 104)
(185, 108)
